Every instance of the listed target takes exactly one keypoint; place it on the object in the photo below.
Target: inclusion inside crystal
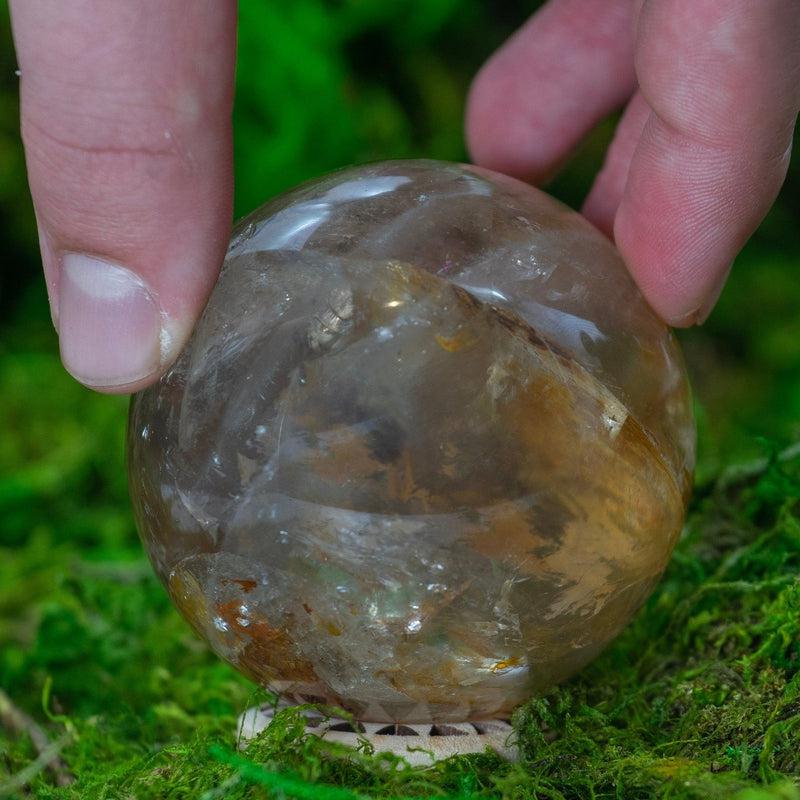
(427, 451)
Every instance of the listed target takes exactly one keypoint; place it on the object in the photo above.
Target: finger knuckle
(97, 134)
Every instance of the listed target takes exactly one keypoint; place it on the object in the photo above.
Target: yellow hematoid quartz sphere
(427, 451)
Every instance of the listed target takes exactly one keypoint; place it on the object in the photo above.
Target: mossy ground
(699, 698)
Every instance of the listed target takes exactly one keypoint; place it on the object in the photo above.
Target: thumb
(127, 133)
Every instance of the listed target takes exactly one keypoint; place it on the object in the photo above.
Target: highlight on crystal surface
(427, 451)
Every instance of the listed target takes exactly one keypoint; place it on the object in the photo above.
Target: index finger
(127, 132)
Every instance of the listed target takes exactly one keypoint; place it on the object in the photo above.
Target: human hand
(712, 90)
(126, 121)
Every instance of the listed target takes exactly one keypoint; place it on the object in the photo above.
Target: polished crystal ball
(427, 451)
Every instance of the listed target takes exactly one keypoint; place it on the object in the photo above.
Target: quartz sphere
(426, 452)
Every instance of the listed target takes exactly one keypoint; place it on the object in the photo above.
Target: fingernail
(705, 310)
(699, 314)
(108, 322)
(685, 319)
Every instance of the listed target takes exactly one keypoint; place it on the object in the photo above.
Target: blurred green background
(321, 84)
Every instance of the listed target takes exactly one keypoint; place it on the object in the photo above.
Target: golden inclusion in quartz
(427, 451)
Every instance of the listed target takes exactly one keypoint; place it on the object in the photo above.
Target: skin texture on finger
(722, 78)
(568, 67)
(602, 202)
(126, 121)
